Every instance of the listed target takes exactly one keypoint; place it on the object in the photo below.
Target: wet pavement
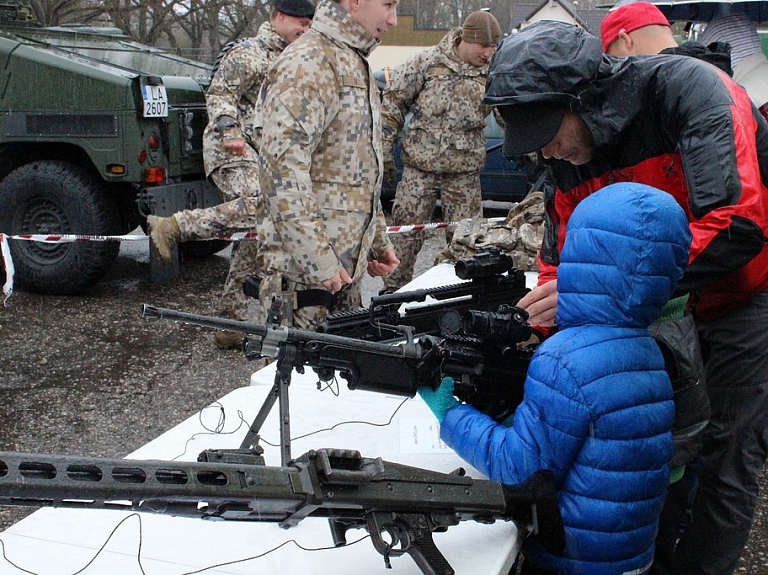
(86, 375)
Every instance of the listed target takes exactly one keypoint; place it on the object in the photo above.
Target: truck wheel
(52, 197)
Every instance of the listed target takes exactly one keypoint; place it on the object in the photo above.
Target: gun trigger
(385, 554)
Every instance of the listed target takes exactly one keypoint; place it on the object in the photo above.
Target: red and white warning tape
(5, 250)
(235, 237)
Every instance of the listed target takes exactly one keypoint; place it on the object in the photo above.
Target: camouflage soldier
(443, 148)
(321, 165)
(230, 160)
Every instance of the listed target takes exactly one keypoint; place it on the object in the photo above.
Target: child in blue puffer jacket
(597, 408)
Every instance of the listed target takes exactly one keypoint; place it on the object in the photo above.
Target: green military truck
(96, 132)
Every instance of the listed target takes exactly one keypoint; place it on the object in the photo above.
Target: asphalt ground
(86, 375)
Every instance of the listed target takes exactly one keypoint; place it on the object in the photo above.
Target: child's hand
(441, 399)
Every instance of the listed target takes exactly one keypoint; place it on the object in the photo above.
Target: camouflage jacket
(233, 92)
(320, 153)
(445, 134)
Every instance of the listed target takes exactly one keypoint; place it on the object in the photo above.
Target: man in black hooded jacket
(683, 126)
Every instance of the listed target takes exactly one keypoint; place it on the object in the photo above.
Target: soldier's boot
(164, 233)
(228, 339)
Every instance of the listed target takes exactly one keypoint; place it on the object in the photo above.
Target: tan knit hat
(481, 28)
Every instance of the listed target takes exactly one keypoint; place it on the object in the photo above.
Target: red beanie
(628, 18)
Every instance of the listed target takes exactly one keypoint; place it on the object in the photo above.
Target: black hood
(547, 62)
(553, 61)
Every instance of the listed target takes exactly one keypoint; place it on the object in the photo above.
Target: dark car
(501, 180)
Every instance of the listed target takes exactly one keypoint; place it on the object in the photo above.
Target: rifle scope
(507, 324)
(486, 263)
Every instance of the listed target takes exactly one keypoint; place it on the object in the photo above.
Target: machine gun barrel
(273, 336)
(352, 492)
(368, 365)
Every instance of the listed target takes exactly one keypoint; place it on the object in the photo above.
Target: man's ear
(627, 40)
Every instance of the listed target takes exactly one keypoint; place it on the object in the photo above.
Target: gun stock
(351, 491)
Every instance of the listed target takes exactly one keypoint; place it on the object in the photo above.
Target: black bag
(679, 343)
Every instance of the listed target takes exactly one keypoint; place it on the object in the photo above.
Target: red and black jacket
(684, 127)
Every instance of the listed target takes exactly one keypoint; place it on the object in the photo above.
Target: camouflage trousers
(415, 201)
(241, 213)
(307, 317)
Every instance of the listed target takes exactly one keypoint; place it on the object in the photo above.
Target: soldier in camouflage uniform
(231, 161)
(443, 148)
(321, 165)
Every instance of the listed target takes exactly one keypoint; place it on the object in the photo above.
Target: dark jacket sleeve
(712, 120)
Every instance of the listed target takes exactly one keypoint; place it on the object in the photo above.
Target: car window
(492, 129)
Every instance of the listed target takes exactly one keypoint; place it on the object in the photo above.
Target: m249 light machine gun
(400, 506)
(488, 375)
(478, 349)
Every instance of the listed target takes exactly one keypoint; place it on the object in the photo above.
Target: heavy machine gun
(400, 506)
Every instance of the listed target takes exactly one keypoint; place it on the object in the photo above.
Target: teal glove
(441, 399)
(509, 421)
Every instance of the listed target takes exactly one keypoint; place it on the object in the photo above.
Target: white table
(62, 541)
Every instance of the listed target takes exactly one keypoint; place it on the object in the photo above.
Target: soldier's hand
(390, 173)
(236, 147)
(384, 264)
(541, 304)
(338, 281)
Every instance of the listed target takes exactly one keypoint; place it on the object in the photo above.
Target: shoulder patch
(438, 70)
(352, 81)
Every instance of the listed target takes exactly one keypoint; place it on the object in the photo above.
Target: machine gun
(493, 282)
(406, 503)
(477, 348)
(484, 361)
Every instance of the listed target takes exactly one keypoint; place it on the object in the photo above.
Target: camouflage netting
(519, 235)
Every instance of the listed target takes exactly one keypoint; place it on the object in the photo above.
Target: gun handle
(408, 533)
(427, 556)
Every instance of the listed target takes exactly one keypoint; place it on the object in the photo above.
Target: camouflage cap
(297, 8)
(481, 27)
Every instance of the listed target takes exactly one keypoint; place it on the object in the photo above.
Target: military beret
(297, 8)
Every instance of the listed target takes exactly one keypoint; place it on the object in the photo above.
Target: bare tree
(56, 12)
(198, 27)
(446, 14)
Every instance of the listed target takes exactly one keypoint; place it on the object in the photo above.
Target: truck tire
(54, 197)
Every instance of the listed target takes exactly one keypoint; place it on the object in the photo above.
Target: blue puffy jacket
(598, 406)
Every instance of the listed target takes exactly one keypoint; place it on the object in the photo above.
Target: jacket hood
(547, 62)
(625, 249)
(558, 62)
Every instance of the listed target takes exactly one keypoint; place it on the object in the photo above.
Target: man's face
(291, 27)
(572, 143)
(376, 16)
(475, 54)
